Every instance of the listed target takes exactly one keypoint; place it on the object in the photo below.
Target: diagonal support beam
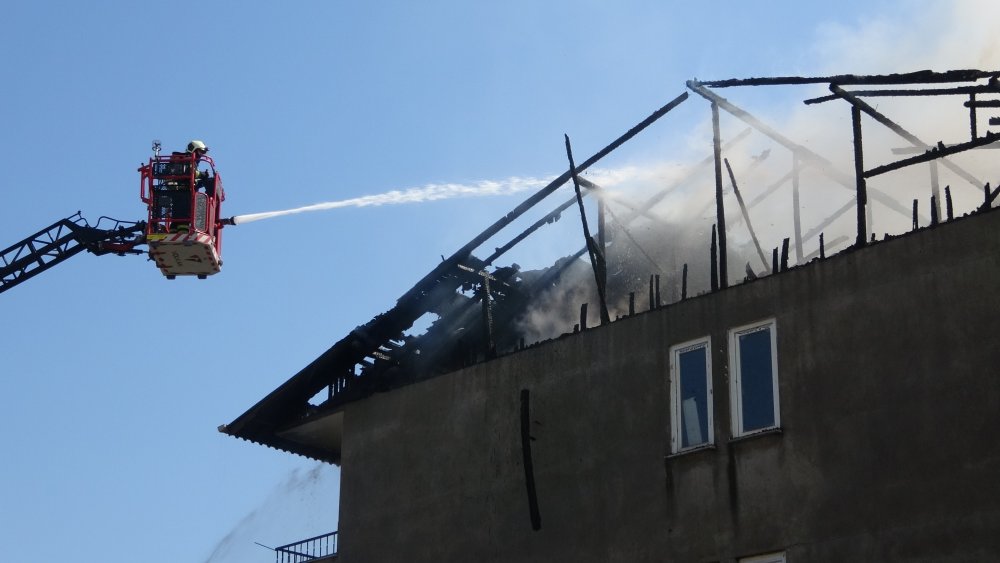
(805, 153)
(961, 90)
(746, 215)
(933, 154)
(596, 254)
(897, 129)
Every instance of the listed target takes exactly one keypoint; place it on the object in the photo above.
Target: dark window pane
(756, 380)
(694, 397)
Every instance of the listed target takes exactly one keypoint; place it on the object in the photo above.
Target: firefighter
(202, 177)
(197, 147)
(181, 200)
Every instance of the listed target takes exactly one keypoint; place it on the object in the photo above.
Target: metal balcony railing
(307, 550)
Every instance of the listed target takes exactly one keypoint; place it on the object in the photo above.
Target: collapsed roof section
(479, 309)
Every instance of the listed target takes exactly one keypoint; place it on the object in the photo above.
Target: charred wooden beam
(989, 196)
(746, 214)
(859, 173)
(935, 186)
(596, 254)
(934, 212)
(784, 255)
(550, 217)
(949, 208)
(973, 103)
(720, 210)
(774, 260)
(916, 221)
(897, 129)
(933, 154)
(961, 90)
(659, 303)
(631, 303)
(821, 251)
(972, 116)
(583, 317)
(652, 294)
(684, 282)
(922, 150)
(919, 77)
(714, 254)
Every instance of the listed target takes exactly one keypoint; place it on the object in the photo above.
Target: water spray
(436, 192)
(430, 192)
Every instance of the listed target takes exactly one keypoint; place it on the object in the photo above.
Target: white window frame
(735, 386)
(676, 412)
(776, 557)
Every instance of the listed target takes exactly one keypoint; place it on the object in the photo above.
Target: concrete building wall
(890, 403)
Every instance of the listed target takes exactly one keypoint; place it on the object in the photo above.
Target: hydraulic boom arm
(63, 239)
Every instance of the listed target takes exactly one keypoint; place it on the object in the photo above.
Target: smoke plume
(677, 229)
(302, 495)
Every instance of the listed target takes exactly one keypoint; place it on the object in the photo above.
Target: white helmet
(196, 145)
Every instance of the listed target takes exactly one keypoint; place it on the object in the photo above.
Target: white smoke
(300, 494)
(912, 36)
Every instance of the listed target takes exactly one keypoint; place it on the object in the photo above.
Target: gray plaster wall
(890, 405)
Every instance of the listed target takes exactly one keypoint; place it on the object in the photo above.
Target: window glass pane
(694, 397)
(756, 380)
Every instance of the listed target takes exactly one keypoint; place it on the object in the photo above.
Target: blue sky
(114, 380)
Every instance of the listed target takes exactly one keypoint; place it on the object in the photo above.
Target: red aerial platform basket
(184, 195)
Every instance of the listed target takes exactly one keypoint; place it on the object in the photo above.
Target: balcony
(317, 549)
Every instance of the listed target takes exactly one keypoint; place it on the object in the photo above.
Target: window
(691, 395)
(766, 558)
(753, 361)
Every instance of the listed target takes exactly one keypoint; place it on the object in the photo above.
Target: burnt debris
(480, 310)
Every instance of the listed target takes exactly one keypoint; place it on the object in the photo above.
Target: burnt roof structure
(478, 305)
